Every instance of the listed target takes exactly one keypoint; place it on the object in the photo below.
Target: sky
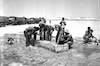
(51, 8)
(1, 7)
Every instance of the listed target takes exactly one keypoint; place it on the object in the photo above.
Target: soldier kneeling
(67, 38)
(30, 35)
(88, 37)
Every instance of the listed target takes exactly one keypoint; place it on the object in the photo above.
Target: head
(42, 19)
(36, 28)
(91, 31)
(67, 31)
(89, 28)
(63, 19)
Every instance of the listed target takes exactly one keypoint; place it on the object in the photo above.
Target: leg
(40, 34)
(44, 36)
(50, 36)
(86, 39)
(57, 36)
(32, 42)
(69, 44)
(35, 36)
(27, 41)
(61, 43)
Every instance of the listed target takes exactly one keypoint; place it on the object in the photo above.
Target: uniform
(50, 29)
(61, 29)
(88, 36)
(66, 38)
(63, 23)
(30, 35)
(42, 31)
(58, 28)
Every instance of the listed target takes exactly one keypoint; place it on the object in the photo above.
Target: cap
(67, 31)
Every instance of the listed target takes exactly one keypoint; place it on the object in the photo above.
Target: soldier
(63, 23)
(30, 35)
(66, 38)
(58, 28)
(61, 29)
(42, 29)
(50, 30)
(88, 35)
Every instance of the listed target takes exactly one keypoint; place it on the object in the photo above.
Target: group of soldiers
(45, 32)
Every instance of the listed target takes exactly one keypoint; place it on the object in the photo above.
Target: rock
(79, 55)
(16, 64)
(59, 48)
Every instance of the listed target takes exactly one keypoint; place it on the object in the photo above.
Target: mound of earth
(52, 46)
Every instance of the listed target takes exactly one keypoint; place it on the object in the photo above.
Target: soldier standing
(61, 29)
(63, 23)
(58, 28)
(42, 29)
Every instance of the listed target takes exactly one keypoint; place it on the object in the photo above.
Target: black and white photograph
(49, 32)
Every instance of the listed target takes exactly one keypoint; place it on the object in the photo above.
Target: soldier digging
(30, 35)
(49, 32)
(88, 37)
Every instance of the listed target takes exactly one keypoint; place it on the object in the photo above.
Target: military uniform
(63, 23)
(30, 34)
(66, 38)
(58, 28)
(61, 29)
(50, 29)
(42, 30)
(88, 36)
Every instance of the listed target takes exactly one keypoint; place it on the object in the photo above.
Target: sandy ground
(19, 55)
